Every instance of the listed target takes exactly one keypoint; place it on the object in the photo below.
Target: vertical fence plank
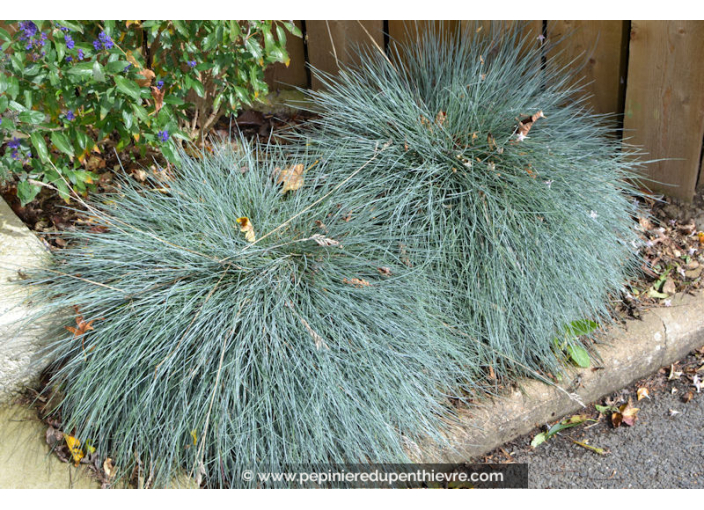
(279, 76)
(333, 41)
(665, 101)
(405, 31)
(530, 28)
(602, 47)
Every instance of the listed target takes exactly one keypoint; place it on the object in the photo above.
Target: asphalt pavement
(663, 449)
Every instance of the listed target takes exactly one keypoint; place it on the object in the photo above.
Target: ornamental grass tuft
(240, 314)
(504, 185)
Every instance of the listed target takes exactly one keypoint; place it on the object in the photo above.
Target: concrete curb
(20, 250)
(639, 349)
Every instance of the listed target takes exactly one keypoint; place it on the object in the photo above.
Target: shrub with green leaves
(231, 318)
(494, 163)
(67, 88)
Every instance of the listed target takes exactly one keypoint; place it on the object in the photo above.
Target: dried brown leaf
(158, 96)
(357, 282)
(291, 177)
(248, 229)
(147, 77)
(324, 241)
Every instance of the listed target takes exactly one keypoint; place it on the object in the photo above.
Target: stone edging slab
(641, 348)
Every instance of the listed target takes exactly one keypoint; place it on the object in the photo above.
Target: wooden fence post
(665, 101)
(602, 47)
(332, 42)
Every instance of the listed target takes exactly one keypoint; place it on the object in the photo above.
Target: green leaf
(27, 191)
(4, 102)
(173, 100)
(128, 87)
(657, 295)
(62, 143)
(253, 47)
(82, 70)
(198, 87)
(4, 35)
(538, 440)
(579, 355)
(170, 154)
(8, 124)
(275, 54)
(180, 27)
(234, 30)
(32, 117)
(76, 27)
(13, 87)
(128, 118)
(83, 140)
(582, 327)
(14, 105)
(141, 113)
(117, 66)
(98, 72)
(40, 146)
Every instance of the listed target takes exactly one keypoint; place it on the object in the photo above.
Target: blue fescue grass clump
(492, 161)
(214, 347)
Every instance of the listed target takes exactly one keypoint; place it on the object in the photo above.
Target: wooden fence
(651, 72)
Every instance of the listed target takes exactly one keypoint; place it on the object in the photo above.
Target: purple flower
(69, 58)
(192, 63)
(97, 45)
(29, 29)
(14, 143)
(80, 54)
(70, 115)
(163, 135)
(160, 84)
(69, 42)
(106, 40)
(63, 29)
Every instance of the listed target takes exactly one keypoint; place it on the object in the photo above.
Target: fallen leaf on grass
(440, 118)
(319, 342)
(248, 229)
(525, 125)
(109, 468)
(626, 415)
(357, 282)
(74, 446)
(324, 241)
(291, 177)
